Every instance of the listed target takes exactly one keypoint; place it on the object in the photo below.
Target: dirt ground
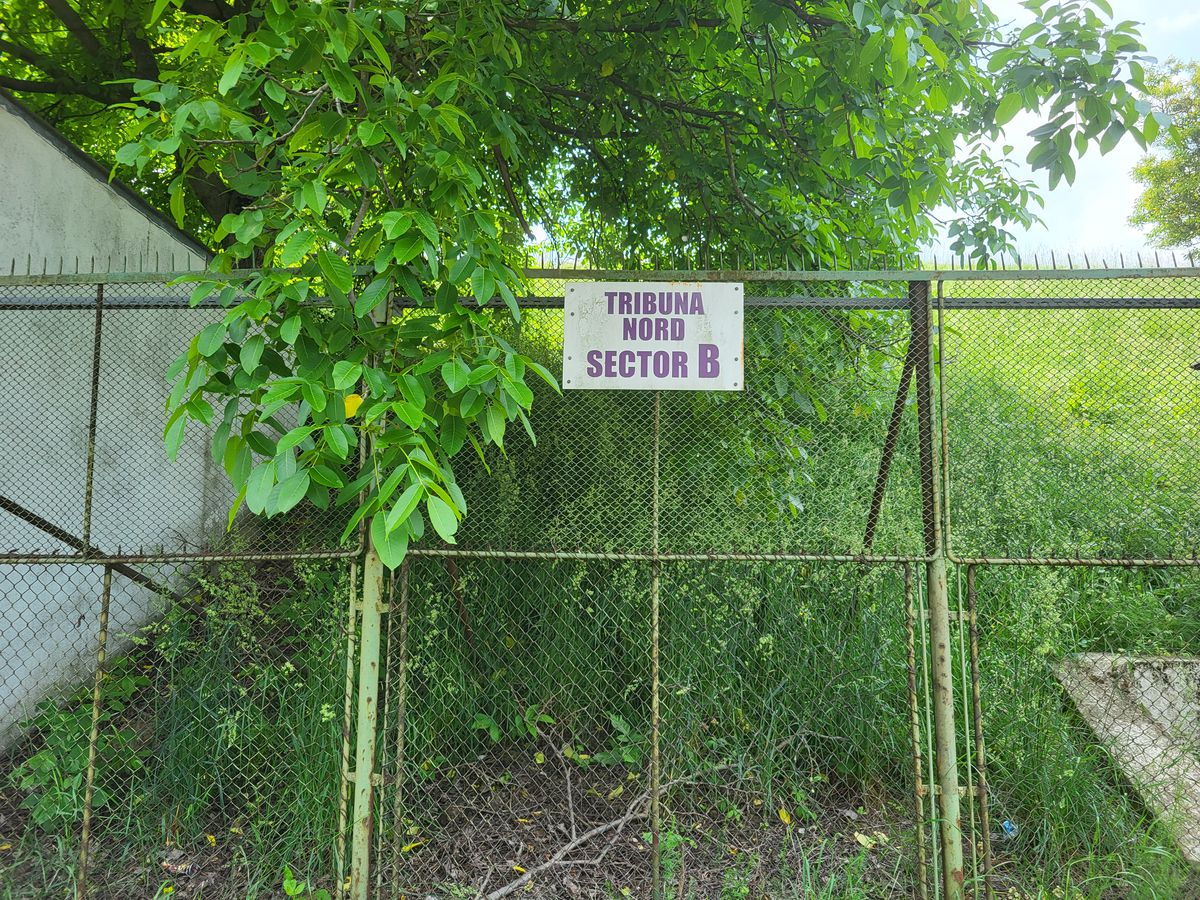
(540, 830)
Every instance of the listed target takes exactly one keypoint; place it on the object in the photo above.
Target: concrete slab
(1146, 712)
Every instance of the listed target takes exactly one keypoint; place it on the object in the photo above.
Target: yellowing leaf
(784, 816)
(352, 403)
(539, 758)
(607, 68)
(519, 870)
(863, 839)
(413, 845)
(616, 792)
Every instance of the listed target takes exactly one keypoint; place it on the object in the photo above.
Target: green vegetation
(784, 684)
(354, 151)
(1171, 176)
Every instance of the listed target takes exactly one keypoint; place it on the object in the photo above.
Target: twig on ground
(635, 810)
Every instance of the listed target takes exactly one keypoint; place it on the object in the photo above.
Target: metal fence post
(942, 669)
(368, 710)
(85, 837)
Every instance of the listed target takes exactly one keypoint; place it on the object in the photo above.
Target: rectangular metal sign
(668, 336)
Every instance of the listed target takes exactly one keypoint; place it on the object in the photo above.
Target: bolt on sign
(669, 336)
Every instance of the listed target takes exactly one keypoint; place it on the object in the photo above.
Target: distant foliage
(1170, 204)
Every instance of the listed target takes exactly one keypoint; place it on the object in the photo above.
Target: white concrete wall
(55, 211)
(52, 207)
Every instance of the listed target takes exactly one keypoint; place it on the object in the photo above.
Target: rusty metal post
(945, 739)
(89, 478)
(347, 721)
(401, 726)
(910, 614)
(655, 735)
(985, 823)
(85, 836)
(368, 711)
(889, 450)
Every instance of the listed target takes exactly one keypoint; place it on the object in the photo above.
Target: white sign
(666, 335)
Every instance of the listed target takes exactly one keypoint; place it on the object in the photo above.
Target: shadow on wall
(142, 501)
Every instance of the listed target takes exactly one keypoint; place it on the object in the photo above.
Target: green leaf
(211, 339)
(294, 438)
(1112, 136)
(391, 546)
(408, 248)
(173, 436)
(259, 485)
(899, 57)
(483, 285)
(251, 353)
(292, 490)
(372, 295)
(395, 223)
(494, 421)
(336, 271)
(345, 374)
(456, 374)
(426, 225)
(411, 415)
(442, 517)
(1009, 106)
(519, 392)
(160, 7)
(290, 329)
(296, 248)
(404, 506)
(335, 436)
(453, 434)
(371, 133)
(232, 72)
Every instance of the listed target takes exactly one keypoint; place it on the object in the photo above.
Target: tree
(1170, 203)
(369, 149)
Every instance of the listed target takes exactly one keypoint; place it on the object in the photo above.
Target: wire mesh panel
(1088, 681)
(789, 465)
(686, 643)
(1071, 412)
(216, 726)
(1075, 418)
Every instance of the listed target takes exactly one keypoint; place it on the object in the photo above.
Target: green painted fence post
(368, 711)
(942, 669)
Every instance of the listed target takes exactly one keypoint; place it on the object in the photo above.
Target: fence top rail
(746, 275)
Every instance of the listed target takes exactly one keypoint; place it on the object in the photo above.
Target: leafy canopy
(379, 151)
(1170, 203)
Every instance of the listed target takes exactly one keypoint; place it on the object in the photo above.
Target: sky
(1092, 215)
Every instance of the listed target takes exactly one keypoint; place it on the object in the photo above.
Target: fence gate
(914, 614)
(690, 633)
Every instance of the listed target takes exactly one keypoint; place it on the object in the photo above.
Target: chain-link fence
(914, 611)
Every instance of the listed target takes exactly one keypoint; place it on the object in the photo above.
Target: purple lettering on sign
(593, 363)
(708, 365)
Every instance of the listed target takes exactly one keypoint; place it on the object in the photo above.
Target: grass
(1070, 434)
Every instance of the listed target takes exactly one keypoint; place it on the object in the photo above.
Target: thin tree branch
(57, 86)
(69, 17)
(506, 178)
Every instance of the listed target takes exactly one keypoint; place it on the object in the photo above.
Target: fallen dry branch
(636, 810)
